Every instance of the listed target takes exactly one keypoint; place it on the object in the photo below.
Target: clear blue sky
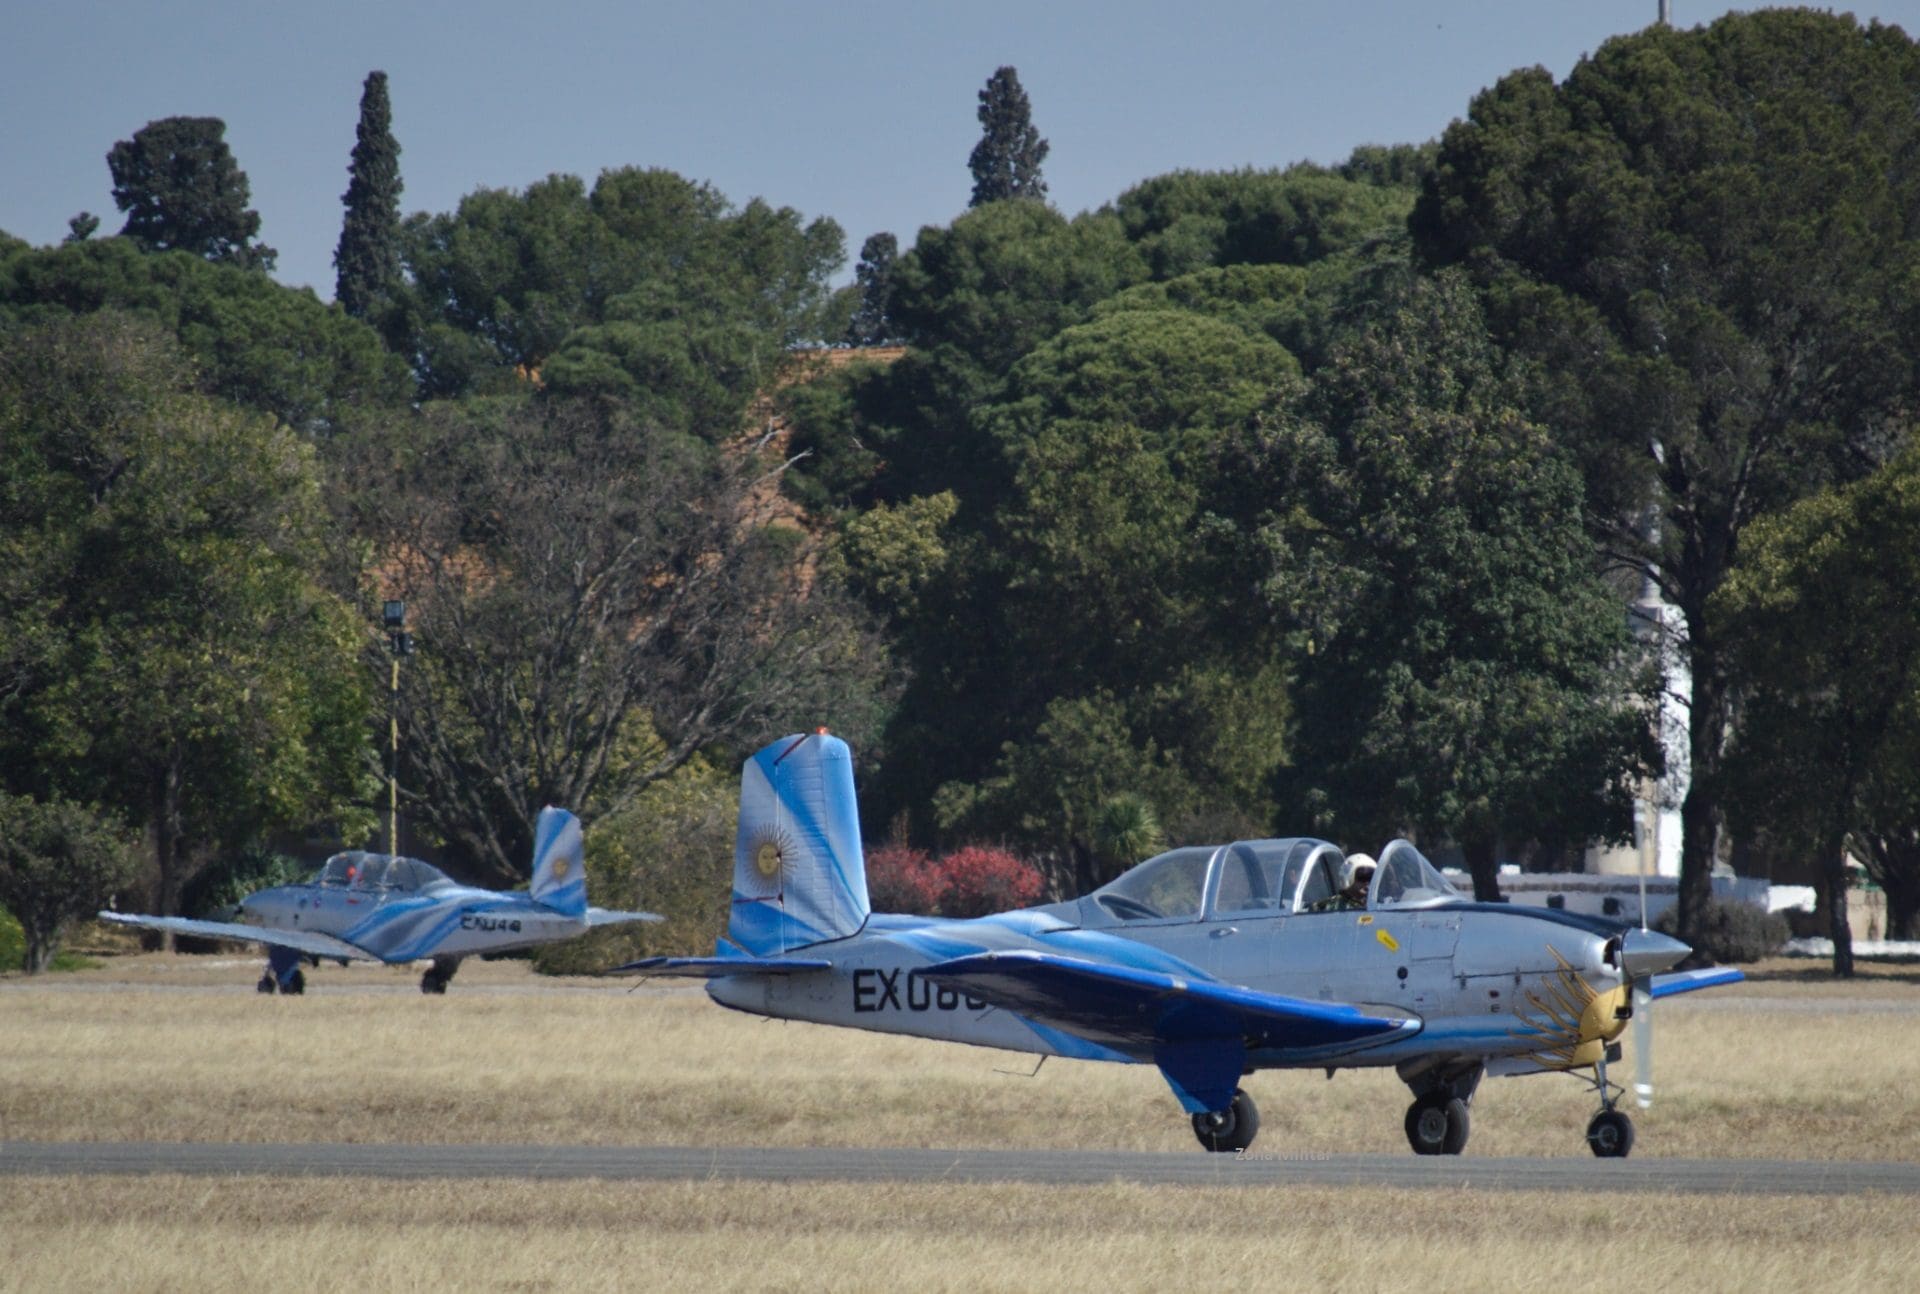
(859, 111)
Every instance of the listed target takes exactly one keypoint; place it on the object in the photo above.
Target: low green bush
(1734, 932)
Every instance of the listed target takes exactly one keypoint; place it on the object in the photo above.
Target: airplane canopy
(1405, 879)
(361, 870)
(1247, 876)
(1263, 877)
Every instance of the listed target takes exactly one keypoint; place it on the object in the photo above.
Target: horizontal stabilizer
(1688, 981)
(727, 961)
(606, 917)
(311, 942)
(1141, 1012)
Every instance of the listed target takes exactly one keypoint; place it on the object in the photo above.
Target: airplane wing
(1198, 1032)
(605, 917)
(311, 942)
(1687, 981)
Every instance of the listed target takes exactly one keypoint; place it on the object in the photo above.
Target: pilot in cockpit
(1358, 876)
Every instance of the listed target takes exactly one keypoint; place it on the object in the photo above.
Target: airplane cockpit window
(412, 874)
(1166, 885)
(1319, 873)
(1269, 875)
(343, 869)
(1405, 879)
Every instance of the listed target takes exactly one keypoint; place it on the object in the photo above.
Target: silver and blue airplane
(1208, 962)
(384, 908)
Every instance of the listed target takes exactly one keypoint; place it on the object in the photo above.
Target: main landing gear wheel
(1611, 1134)
(1437, 1124)
(1233, 1128)
(439, 975)
(266, 984)
(294, 983)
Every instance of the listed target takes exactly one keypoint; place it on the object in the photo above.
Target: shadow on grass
(1819, 970)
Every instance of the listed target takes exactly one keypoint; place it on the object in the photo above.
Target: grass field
(164, 1048)
(160, 1048)
(244, 1234)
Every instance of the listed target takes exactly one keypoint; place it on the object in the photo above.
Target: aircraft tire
(1610, 1135)
(431, 983)
(266, 984)
(1438, 1124)
(1233, 1128)
(296, 983)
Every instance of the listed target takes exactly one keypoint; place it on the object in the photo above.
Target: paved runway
(670, 1163)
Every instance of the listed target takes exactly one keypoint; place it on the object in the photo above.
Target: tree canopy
(250, 340)
(368, 281)
(1006, 161)
(182, 191)
(596, 601)
(1467, 675)
(1703, 241)
(172, 655)
(649, 287)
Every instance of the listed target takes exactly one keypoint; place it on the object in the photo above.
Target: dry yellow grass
(168, 1049)
(203, 1234)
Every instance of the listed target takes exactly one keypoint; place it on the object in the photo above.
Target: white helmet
(1354, 863)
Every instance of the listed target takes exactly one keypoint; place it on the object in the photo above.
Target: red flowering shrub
(977, 881)
(902, 879)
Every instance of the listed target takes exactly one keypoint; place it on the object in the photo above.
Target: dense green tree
(970, 300)
(873, 320)
(1190, 220)
(1465, 670)
(182, 191)
(252, 341)
(1006, 161)
(1094, 570)
(1826, 646)
(82, 227)
(1704, 241)
(367, 261)
(596, 600)
(172, 657)
(646, 284)
(59, 863)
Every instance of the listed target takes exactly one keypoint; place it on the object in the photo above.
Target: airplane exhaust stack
(799, 876)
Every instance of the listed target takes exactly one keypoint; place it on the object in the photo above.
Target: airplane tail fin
(559, 869)
(799, 876)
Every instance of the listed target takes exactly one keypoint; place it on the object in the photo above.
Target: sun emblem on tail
(767, 858)
(561, 866)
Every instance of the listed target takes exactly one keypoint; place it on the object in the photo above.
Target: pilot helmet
(1359, 868)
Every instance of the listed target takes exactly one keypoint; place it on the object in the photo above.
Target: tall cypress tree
(182, 191)
(1006, 161)
(873, 319)
(368, 258)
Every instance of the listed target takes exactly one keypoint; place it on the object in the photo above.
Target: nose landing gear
(1610, 1134)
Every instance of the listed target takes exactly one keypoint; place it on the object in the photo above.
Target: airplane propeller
(1642, 1045)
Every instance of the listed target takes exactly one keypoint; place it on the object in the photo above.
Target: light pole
(393, 615)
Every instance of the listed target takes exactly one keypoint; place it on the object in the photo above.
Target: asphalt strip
(748, 1164)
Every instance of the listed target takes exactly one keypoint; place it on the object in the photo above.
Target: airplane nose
(1647, 952)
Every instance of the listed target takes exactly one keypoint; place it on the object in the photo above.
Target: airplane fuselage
(1519, 988)
(449, 921)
